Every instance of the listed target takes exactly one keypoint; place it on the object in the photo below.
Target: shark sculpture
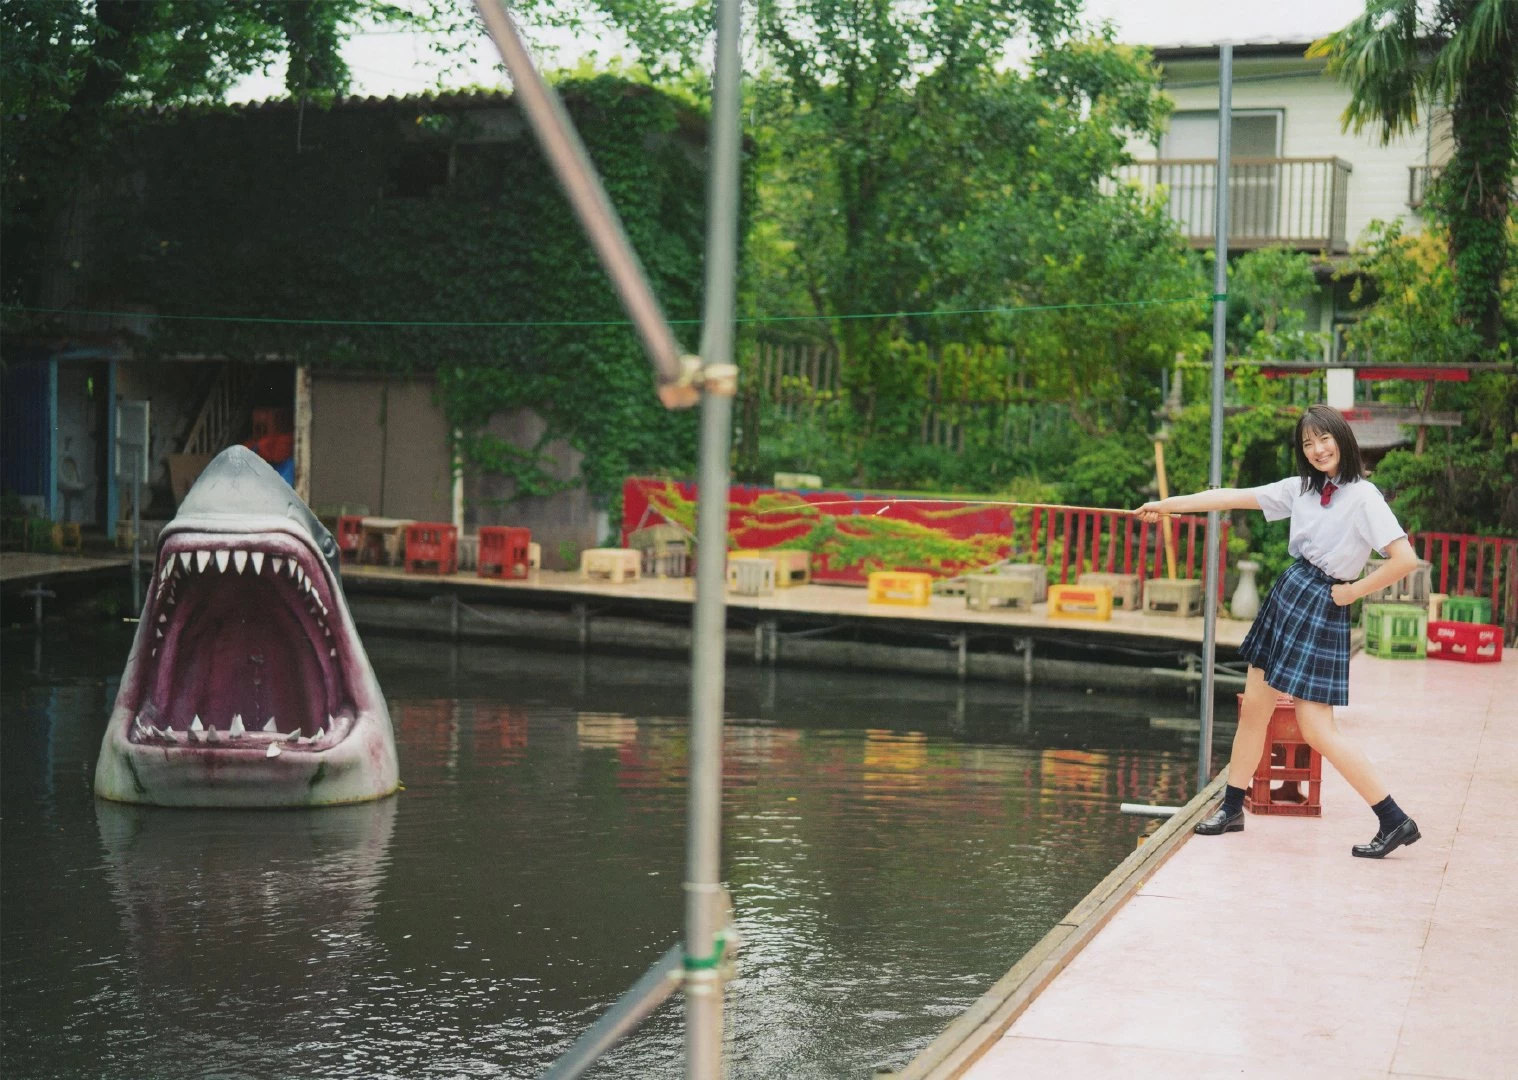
(246, 685)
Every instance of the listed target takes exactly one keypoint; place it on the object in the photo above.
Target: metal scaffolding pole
(705, 904)
(701, 966)
(1215, 464)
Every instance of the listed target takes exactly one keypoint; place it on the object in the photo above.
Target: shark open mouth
(247, 684)
(248, 649)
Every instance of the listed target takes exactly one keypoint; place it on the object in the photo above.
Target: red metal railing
(1464, 565)
(1118, 543)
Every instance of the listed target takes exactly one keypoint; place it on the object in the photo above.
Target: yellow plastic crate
(905, 587)
(1080, 602)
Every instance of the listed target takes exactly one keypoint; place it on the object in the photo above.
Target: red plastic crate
(432, 546)
(1469, 643)
(350, 535)
(1288, 760)
(271, 420)
(503, 551)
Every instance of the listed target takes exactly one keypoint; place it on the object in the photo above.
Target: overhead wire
(545, 323)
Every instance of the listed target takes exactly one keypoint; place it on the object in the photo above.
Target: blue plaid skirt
(1300, 638)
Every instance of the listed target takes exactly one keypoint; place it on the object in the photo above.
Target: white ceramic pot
(1245, 604)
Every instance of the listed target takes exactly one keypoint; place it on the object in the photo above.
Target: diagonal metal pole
(577, 176)
(1215, 461)
(646, 995)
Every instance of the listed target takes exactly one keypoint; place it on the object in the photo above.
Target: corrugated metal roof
(1208, 50)
(431, 100)
(439, 99)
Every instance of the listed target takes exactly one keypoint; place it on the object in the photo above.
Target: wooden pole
(1159, 471)
(302, 448)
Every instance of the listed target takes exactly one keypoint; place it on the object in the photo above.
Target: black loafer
(1221, 821)
(1382, 846)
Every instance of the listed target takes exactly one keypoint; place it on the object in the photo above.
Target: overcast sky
(387, 62)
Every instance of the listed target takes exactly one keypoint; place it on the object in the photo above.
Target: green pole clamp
(708, 963)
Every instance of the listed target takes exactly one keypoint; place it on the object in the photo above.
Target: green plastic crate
(1472, 609)
(1395, 631)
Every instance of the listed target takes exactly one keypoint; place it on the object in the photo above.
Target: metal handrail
(1301, 201)
(1235, 159)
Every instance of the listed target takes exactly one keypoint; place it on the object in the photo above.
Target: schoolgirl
(1299, 643)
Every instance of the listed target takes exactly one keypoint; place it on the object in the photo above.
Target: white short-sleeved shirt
(1337, 538)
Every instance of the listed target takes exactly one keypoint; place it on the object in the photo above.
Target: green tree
(1094, 276)
(943, 183)
(1402, 57)
(1454, 479)
(904, 163)
(71, 70)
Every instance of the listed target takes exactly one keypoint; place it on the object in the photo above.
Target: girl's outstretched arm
(1200, 503)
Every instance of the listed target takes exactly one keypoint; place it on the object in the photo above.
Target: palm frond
(1380, 58)
(1490, 29)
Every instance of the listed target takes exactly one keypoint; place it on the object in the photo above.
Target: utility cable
(544, 323)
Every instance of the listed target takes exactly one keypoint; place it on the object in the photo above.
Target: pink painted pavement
(1273, 953)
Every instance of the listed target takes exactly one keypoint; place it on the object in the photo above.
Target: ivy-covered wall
(380, 213)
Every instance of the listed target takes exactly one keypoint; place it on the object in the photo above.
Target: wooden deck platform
(806, 625)
(1272, 952)
(823, 601)
(28, 566)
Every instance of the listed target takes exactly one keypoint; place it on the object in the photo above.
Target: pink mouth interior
(238, 648)
(243, 655)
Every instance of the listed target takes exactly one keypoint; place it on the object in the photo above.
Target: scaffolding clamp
(720, 379)
(696, 377)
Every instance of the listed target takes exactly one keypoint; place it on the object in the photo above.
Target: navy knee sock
(1233, 799)
(1390, 814)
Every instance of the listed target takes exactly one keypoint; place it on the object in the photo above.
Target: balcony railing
(1296, 202)
(1419, 177)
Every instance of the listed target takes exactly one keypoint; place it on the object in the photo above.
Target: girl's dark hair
(1325, 420)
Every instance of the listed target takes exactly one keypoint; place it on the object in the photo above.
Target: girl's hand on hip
(1344, 594)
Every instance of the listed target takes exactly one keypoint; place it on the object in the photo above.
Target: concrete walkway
(1273, 953)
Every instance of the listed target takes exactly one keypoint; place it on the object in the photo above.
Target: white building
(1297, 178)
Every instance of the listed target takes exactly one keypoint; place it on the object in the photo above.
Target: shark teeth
(237, 736)
(191, 561)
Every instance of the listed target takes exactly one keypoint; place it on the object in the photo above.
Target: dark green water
(892, 846)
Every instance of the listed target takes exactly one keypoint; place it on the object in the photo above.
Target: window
(1254, 181)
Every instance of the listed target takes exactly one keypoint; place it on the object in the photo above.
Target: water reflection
(251, 909)
(892, 845)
